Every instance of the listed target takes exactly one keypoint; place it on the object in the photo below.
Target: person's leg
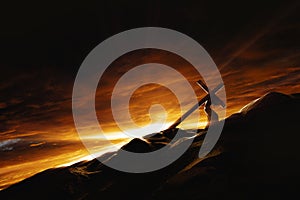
(211, 114)
(207, 110)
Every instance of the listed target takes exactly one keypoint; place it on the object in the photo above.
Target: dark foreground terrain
(257, 156)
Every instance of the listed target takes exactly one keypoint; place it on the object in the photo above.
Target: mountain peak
(268, 100)
(259, 146)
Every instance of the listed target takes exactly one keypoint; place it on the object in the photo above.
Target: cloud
(3, 105)
(7, 145)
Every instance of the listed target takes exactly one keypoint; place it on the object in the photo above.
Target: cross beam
(208, 95)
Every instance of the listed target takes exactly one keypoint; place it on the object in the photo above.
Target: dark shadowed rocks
(257, 156)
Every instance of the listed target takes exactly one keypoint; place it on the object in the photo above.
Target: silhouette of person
(211, 114)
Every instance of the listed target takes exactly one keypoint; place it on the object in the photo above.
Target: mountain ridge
(251, 157)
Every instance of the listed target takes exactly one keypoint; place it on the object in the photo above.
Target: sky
(254, 44)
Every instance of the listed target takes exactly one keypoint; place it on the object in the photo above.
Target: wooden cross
(208, 95)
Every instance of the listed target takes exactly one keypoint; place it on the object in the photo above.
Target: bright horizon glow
(143, 131)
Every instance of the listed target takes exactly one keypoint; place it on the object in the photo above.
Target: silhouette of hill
(256, 156)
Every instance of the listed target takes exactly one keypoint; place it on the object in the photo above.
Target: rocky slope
(257, 156)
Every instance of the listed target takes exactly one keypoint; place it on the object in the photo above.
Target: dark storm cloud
(44, 49)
